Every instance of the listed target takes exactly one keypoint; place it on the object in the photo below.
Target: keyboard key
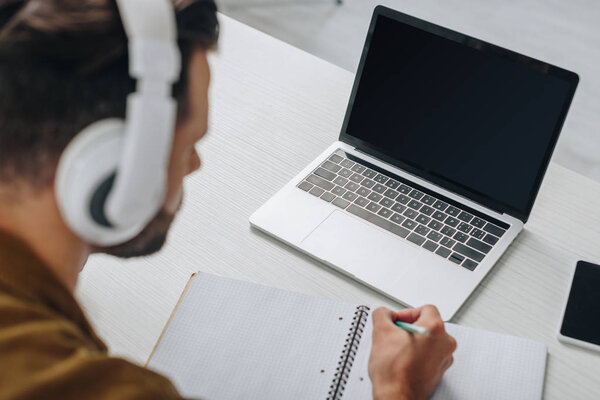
(427, 210)
(446, 241)
(434, 236)
(358, 168)
(494, 230)
(469, 264)
(350, 196)
(464, 216)
(412, 214)
(347, 163)
(461, 237)
(399, 208)
(451, 210)
(404, 189)
(368, 183)
(409, 223)
(479, 245)
(361, 201)
(415, 204)
(442, 251)
(327, 196)
(403, 199)
(428, 200)
(423, 219)
(435, 225)
(468, 252)
(351, 186)
(305, 186)
(491, 239)
(340, 180)
(361, 191)
(397, 218)
(429, 245)
(446, 230)
(338, 190)
(464, 227)
(385, 212)
(391, 193)
(377, 220)
(335, 158)
(379, 188)
(374, 197)
(316, 191)
(415, 194)
(329, 166)
(318, 181)
(341, 203)
(369, 173)
(392, 184)
(346, 173)
(440, 205)
(380, 178)
(453, 222)
(422, 230)
(478, 222)
(478, 233)
(438, 215)
(373, 207)
(416, 239)
(456, 258)
(356, 178)
(386, 202)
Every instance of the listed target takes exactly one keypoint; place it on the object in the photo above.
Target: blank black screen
(582, 318)
(469, 116)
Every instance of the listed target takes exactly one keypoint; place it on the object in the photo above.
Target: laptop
(441, 154)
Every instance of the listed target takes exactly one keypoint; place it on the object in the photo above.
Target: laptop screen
(470, 116)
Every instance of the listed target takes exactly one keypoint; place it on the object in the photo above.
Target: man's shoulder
(32, 331)
(45, 355)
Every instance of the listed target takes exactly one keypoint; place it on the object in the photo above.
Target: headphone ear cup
(84, 179)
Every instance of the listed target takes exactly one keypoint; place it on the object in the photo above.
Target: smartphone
(581, 316)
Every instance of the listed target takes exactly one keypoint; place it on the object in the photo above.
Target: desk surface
(273, 104)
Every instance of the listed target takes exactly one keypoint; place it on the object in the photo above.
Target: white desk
(273, 104)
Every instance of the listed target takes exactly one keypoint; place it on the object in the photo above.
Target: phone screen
(582, 315)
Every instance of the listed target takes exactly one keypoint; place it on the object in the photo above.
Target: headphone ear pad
(83, 181)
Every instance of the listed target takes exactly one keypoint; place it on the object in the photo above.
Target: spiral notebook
(229, 339)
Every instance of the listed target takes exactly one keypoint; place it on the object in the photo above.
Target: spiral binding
(342, 372)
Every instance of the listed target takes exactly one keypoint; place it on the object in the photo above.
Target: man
(63, 65)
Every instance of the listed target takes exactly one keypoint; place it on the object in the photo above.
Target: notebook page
(493, 366)
(486, 366)
(235, 340)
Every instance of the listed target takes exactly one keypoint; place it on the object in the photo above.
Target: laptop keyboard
(418, 217)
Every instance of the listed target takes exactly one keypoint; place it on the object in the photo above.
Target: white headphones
(112, 177)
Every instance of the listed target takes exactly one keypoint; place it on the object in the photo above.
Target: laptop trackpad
(371, 254)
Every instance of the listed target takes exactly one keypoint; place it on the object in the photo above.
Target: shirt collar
(24, 275)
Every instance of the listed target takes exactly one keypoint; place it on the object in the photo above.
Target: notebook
(230, 339)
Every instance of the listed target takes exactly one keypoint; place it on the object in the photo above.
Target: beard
(149, 241)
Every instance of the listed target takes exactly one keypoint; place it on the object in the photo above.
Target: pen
(413, 328)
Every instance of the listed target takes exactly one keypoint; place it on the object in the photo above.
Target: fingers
(409, 315)
(382, 316)
(447, 363)
(430, 318)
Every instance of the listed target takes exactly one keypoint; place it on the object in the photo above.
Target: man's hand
(407, 366)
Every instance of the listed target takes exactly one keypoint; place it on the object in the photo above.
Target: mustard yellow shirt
(48, 350)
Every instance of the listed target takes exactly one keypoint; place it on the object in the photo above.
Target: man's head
(64, 65)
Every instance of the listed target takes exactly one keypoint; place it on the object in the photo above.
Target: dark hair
(64, 65)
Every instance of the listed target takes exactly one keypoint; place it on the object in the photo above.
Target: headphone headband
(134, 154)
(154, 60)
